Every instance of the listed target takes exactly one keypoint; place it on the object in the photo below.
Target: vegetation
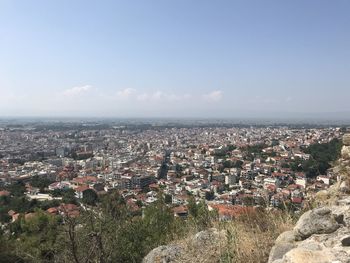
(40, 183)
(321, 157)
(230, 164)
(89, 197)
(253, 151)
(251, 237)
(110, 232)
(209, 195)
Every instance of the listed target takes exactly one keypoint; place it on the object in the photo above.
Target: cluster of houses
(233, 170)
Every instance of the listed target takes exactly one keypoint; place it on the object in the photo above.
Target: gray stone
(316, 221)
(346, 139)
(310, 245)
(344, 187)
(344, 201)
(345, 153)
(279, 250)
(163, 254)
(208, 237)
(287, 237)
(302, 255)
(345, 241)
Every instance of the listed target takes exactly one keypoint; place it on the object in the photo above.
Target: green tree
(209, 195)
(17, 188)
(37, 237)
(200, 214)
(168, 199)
(68, 196)
(89, 197)
(322, 154)
(40, 182)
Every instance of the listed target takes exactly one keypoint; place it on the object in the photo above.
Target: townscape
(174, 131)
(231, 168)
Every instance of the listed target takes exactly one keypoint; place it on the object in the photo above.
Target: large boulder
(211, 236)
(302, 255)
(287, 236)
(203, 246)
(316, 221)
(279, 250)
(164, 254)
(324, 255)
(320, 235)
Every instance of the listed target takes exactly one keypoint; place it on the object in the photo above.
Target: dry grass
(251, 238)
(248, 239)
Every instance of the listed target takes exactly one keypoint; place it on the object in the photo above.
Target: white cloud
(76, 91)
(142, 97)
(161, 96)
(126, 93)
(213, 96)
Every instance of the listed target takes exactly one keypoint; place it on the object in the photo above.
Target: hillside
(320, 235)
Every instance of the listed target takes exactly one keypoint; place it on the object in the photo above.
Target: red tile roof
(233, 211)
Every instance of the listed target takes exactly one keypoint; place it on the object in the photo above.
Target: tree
(114, 206)
(40, 183)
(209, 195)
(89, 197)
(17, 188)
(231, 147)
(36, 237)
(238, 164)
(199, 213)
(68, 196)
(322, 154)
(168, 199)
(227, 164)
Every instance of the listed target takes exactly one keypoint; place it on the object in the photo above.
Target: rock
(302, 255)
(344, 201)
(279, 250)
(346, 241)
(321, 235)
(344, 187)
(163, 254)
(345, 152)
(208, 237)
(316, 221)
(310, 245)
(342, 212)
(346, 139)
(205, 245)
(287, 237)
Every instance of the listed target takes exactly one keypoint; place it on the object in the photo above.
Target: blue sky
(179, 58)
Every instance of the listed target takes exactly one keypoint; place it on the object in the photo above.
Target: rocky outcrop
(346, 139)
(321, 235)
(195, 247)
(317, 221)
(343, 167)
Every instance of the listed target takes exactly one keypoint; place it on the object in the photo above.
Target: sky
(174, 58)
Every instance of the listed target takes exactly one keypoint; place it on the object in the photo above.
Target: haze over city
(175, 58)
